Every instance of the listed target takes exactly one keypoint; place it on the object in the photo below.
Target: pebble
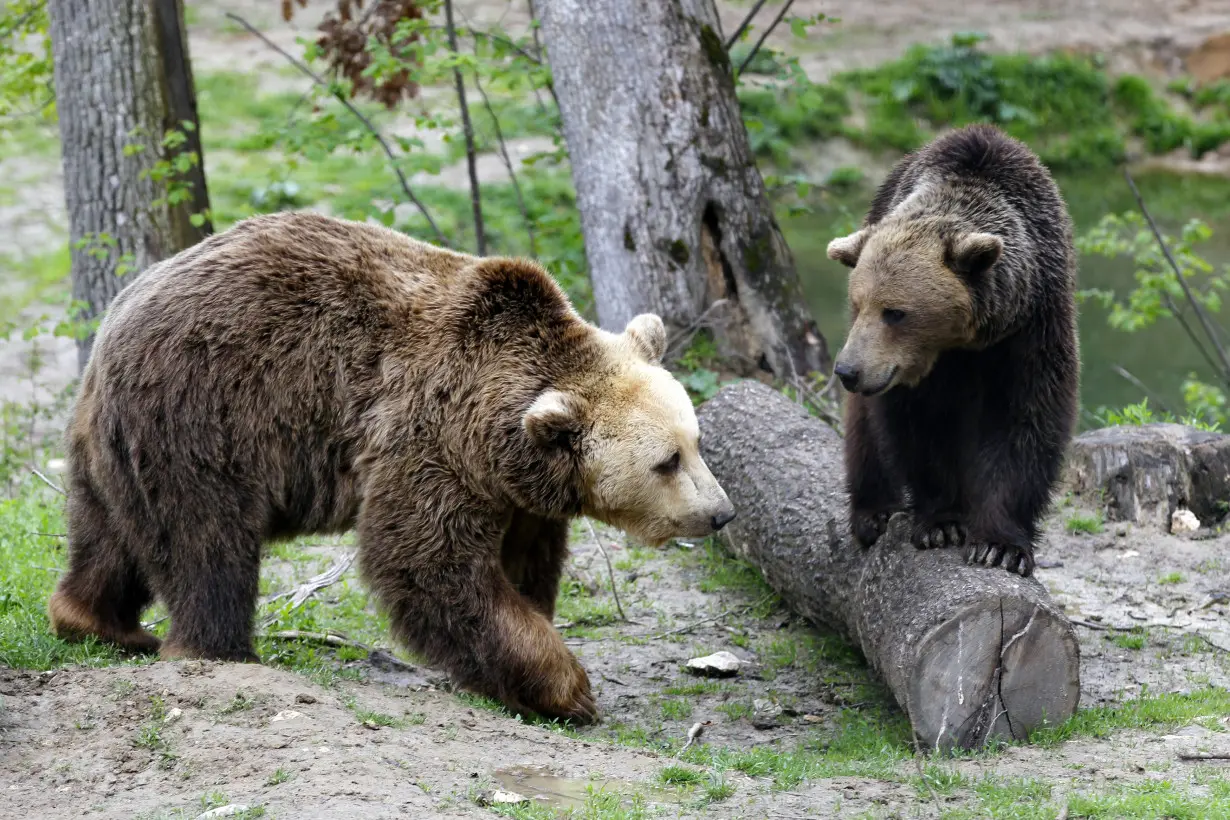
(223, 811)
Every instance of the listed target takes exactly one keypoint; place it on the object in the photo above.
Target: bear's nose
(848, 374)
(723, 518)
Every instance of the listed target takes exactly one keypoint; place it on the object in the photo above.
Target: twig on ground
(694, 734)
(330, 638)
(689, 627)
(512, 174)
(467, 128)
(49, 534)
(756, 48)
(38, 473)
(747, 21)
(1205, 322)
(56, 570)
(1202, 756)
(375, 132)
(614, 585)
(1091, 625)
(308, 588)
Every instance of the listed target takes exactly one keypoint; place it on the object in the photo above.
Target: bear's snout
(723, 516)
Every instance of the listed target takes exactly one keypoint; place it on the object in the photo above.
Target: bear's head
(911, 298)
(633, 433)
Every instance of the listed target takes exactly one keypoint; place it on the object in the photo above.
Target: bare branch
(1142, 387)
(1205, 322)
(756, 48)
(388, 151)
(512, 174)
(476, 202)
(48, 481)
(689, 627)
(614, 591)
(747, 21)
(308, 588)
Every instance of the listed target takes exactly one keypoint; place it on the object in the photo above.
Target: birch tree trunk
(122, 82)
(673, 208)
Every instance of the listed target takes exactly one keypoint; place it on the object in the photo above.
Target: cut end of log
(996, 669)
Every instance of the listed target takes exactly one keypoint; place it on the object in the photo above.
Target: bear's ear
(846, 249)
(555, 419)
(648, 336)
(973, 254)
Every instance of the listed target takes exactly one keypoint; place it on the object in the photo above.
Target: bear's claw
(868, 525)
(939, 534)
(1019, 560)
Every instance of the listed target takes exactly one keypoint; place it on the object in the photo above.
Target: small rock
(1129, 554)
(371, 724)
(1043, 563)
(304, 697)
(1183, 522)
(765, 714)
(812, 719)
(223, 811)
(286, 714)
(718, 665)
(501, 798)
(173, 715)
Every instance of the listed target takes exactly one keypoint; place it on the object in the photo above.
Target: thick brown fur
(963, 360)
(300, 374)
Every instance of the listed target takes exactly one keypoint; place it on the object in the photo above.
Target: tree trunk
(122, 82)
(969, 652)
(673, 209)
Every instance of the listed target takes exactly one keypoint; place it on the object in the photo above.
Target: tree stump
(970, 653)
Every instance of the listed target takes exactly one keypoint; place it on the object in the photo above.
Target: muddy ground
(175, 739)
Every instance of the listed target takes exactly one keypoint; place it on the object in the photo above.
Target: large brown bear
(302, 374)
(962, 359)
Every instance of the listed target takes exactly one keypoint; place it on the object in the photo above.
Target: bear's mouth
(882, 386)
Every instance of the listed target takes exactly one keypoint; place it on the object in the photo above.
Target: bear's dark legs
(873, 488)
(929, 445)
(439, 572)
(103, 592)
(1010, 499)
(210, 584)
(533, 556)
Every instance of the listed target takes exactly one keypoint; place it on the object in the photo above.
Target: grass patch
(1171, 578)
(676, 709)
(279, 777)
(1144, 712)
(1129, 640)
(1151, 799)
(680, 776)
(1082, 524)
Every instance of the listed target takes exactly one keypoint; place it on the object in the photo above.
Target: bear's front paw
(1014, 559)
(868, 525)
(566, 694)
(931, 534)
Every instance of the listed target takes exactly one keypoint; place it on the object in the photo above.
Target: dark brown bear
(301, 374)
(962, 359)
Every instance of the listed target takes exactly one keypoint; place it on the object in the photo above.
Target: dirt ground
(76, 741)
(174, 739)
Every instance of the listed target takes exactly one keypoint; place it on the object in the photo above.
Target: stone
(223, 811)
(718, 665)
(1183, 522)
(1210, 60)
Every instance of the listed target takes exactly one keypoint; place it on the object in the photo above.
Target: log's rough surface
(1143, 474)
(969, 652)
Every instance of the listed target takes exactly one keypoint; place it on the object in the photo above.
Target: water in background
(1160, 356)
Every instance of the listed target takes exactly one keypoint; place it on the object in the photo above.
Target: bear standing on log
(962, 361)
(300, 374)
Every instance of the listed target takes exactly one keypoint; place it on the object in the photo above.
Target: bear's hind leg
(210, 585)
(104, 592)
(533, 556)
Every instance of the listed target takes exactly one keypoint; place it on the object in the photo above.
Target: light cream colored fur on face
(639, 416)
(901, 266)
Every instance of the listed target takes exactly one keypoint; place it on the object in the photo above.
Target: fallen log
(970, 653)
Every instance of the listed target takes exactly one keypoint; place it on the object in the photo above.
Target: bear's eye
(892, 317)
(669, 466)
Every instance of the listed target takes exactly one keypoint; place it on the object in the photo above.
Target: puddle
(539, 784)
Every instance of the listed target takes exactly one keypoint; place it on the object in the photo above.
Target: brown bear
(302, 374)
(962, 358)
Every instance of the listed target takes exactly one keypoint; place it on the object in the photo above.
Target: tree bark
(969, 652)
(123, 81)
(673, 208)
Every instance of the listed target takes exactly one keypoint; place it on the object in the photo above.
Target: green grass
(1171, 578)
(1129, 640)
(676, 709)
(1153, 799)
(1165, 711)
(1084, 524)
(680, 776)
